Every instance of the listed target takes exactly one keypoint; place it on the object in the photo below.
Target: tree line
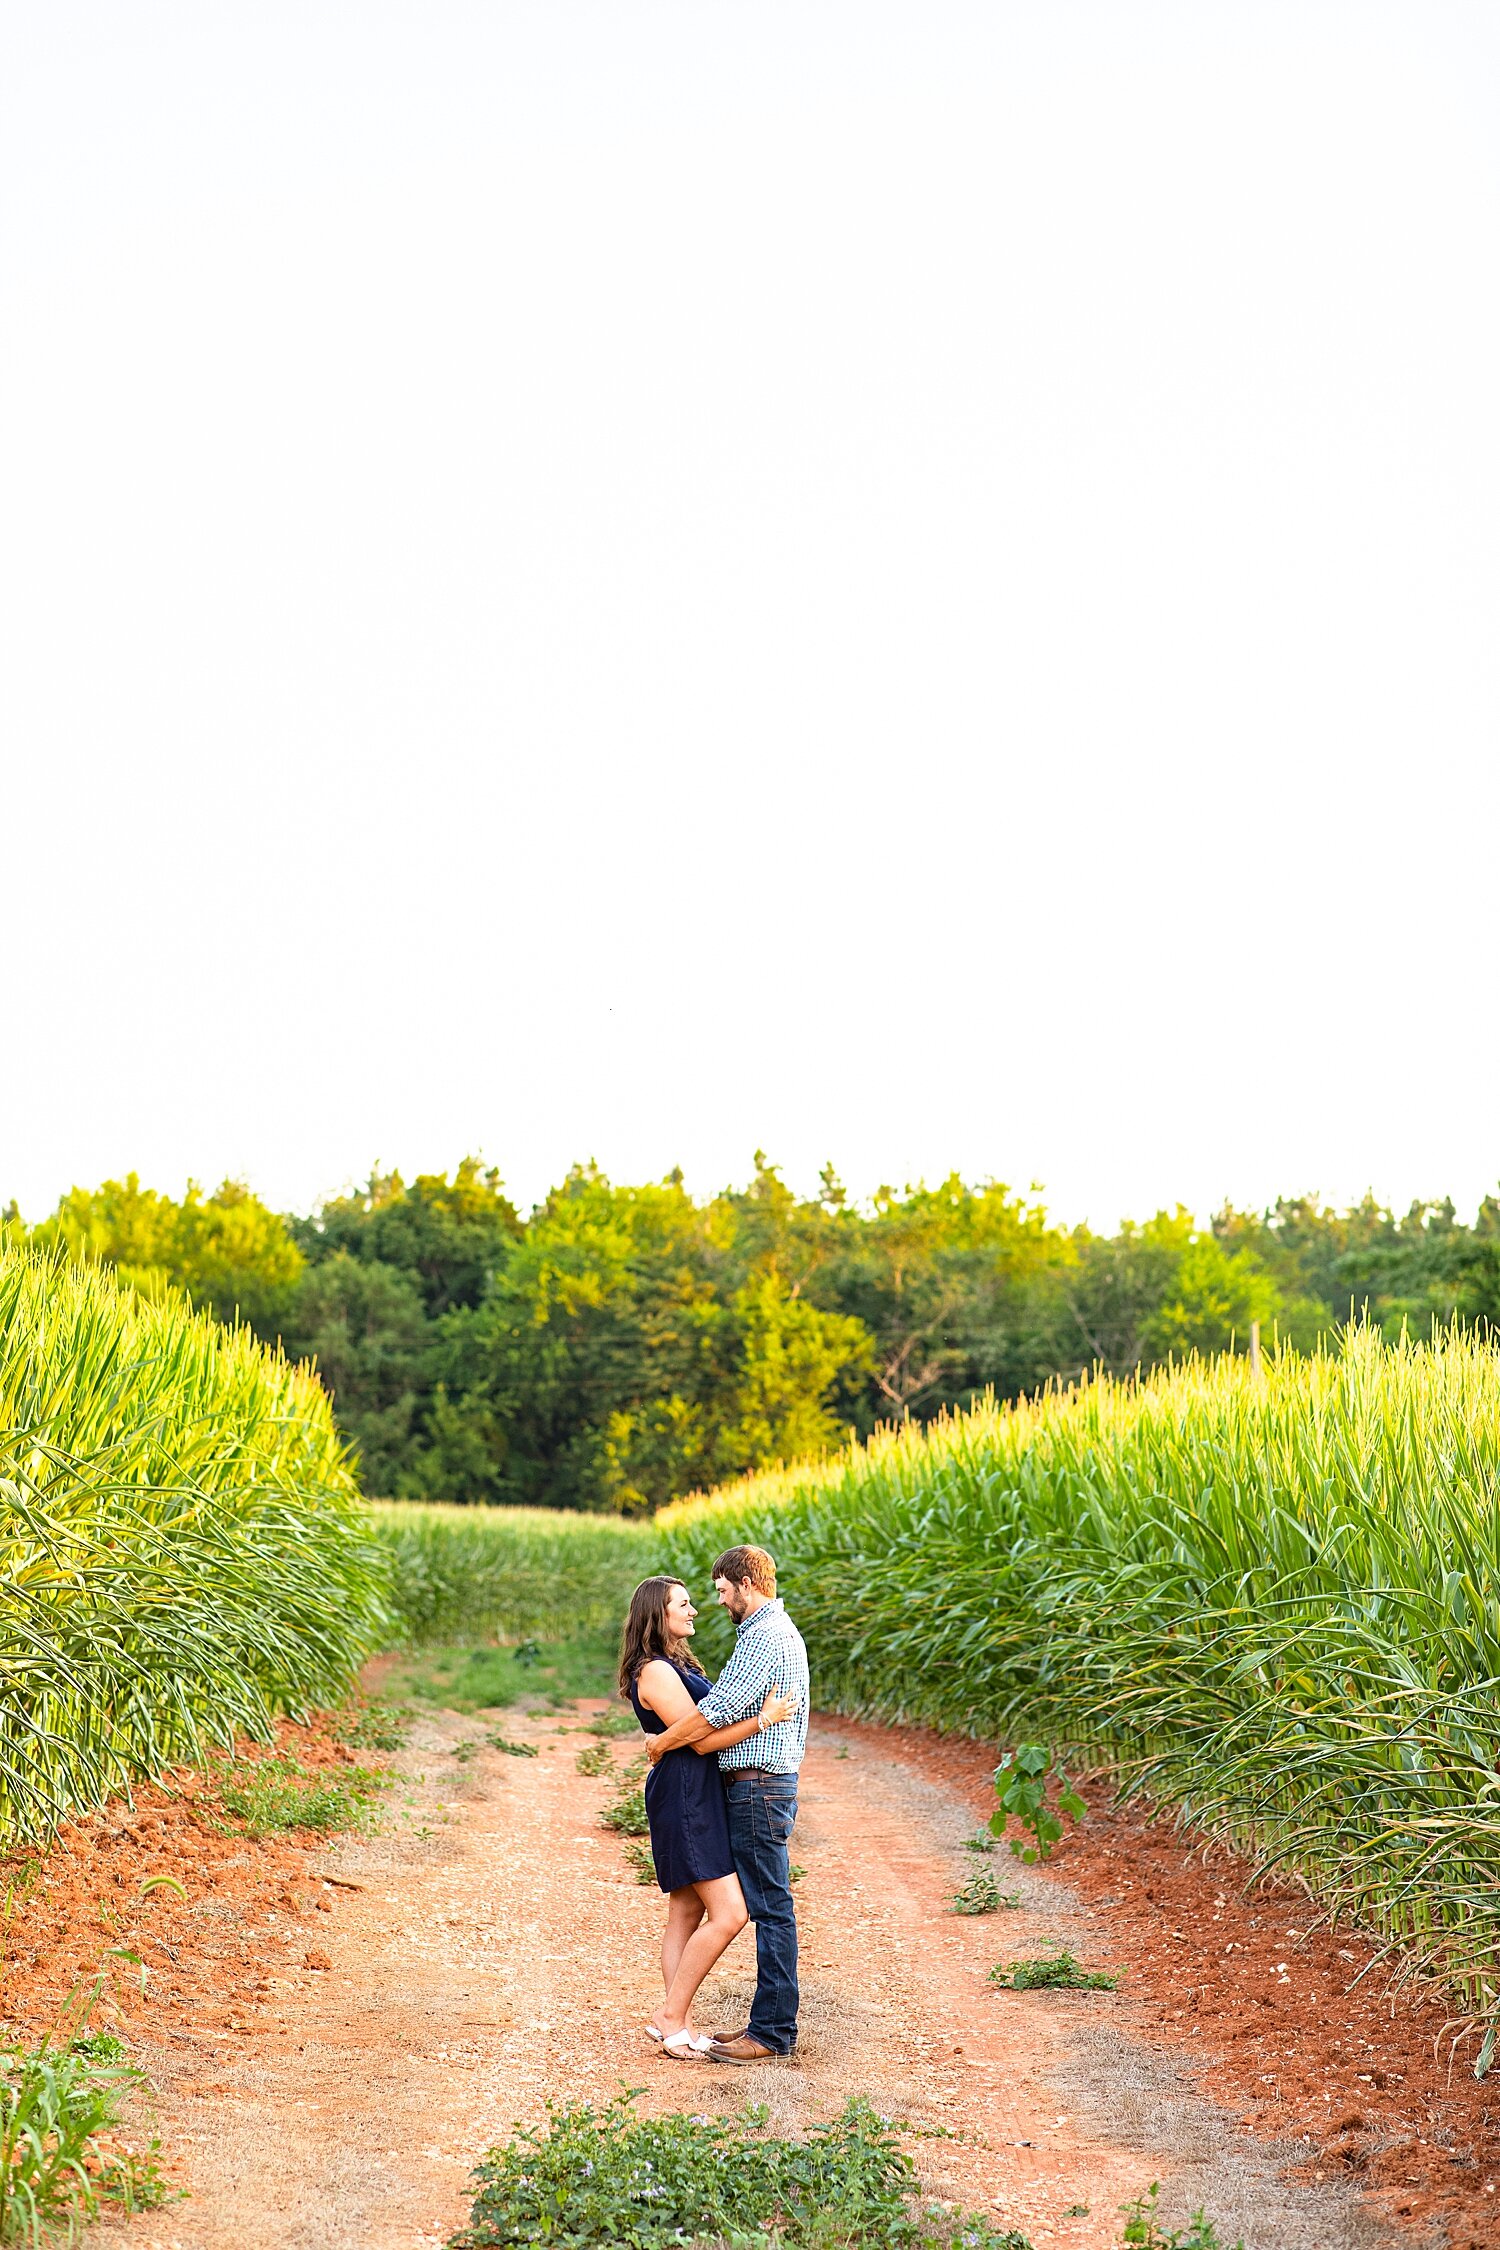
(623, 1345)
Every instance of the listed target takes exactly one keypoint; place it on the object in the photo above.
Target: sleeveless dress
(685, 1803)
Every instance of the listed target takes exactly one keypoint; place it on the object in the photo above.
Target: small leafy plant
(527, 1653)
(1144, 2231)
(1052, 1972)
(639, 1857)
(983, 1895)
(510, 1749)
(594, 1759)
(626, 1815)
(609, 2175)
(1021, 1785)
(980, 1843)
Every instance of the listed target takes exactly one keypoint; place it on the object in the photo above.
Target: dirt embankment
(333, 2034)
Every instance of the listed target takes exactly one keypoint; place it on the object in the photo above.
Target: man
(760, 1781)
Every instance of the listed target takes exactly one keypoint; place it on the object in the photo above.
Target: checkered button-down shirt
(769, 1652)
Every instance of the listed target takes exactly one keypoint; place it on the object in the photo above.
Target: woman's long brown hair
(646, 1636)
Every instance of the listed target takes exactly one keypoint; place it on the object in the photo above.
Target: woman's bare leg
(684, 1913)
(723, 1918)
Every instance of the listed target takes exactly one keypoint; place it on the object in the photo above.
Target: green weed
(594, 1760)
(1052, 1972)
(511, 1749)
(983, 1895)
(607, 2175)
(1144, 2231)
(273, 1796)
(979, 1843)
(627, 1814)
(639, 1857)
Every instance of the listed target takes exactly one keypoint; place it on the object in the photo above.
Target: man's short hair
(739, 1563)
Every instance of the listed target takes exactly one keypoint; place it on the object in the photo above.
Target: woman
(662, 1681)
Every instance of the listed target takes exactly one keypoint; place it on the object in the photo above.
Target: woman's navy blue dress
(685, 1803)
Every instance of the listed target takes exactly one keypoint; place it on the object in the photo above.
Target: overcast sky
(915, 584)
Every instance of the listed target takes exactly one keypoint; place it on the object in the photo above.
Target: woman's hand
(776, 1708)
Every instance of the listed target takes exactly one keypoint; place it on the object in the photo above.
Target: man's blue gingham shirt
(769, 1652)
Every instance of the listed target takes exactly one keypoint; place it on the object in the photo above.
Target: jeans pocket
(779, 1812)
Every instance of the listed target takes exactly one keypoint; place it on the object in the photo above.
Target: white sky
(917, 584)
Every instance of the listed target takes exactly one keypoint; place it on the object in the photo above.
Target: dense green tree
(451, 1236)
(228, 1251)
(365, 1329)
(625, 1353)
(626, 1344)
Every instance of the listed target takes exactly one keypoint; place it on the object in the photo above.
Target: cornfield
(508, 1573)
(182, 1549)
(1271, 1603)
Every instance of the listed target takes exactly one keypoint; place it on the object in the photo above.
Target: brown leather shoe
(744, 2049)
(728, 2038)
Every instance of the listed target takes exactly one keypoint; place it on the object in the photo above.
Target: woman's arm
(659, 1686)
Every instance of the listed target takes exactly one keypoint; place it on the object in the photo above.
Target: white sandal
(686, 2046)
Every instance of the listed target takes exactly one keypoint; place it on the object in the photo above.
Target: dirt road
(497, 1951)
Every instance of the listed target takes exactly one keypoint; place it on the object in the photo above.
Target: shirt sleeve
(740, 1689)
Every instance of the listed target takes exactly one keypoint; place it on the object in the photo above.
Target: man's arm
(744, 1683)
(691, 1729)
(705, 1739)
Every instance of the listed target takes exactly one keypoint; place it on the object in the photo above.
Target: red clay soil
(77, 1913)
(1374, 2072)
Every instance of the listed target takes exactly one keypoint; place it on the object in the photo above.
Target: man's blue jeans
(762, 1808)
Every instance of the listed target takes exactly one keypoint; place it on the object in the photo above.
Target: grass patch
(275, 1796)
(534, 1674)
(618, 1719)
(983, 1895)
(1052, 1972)
(607, 2175)
(377, 1724)
(60, 2154)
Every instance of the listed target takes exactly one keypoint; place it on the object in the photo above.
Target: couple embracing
(721, 1797)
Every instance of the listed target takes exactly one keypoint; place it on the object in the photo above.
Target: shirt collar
(764, 1610)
